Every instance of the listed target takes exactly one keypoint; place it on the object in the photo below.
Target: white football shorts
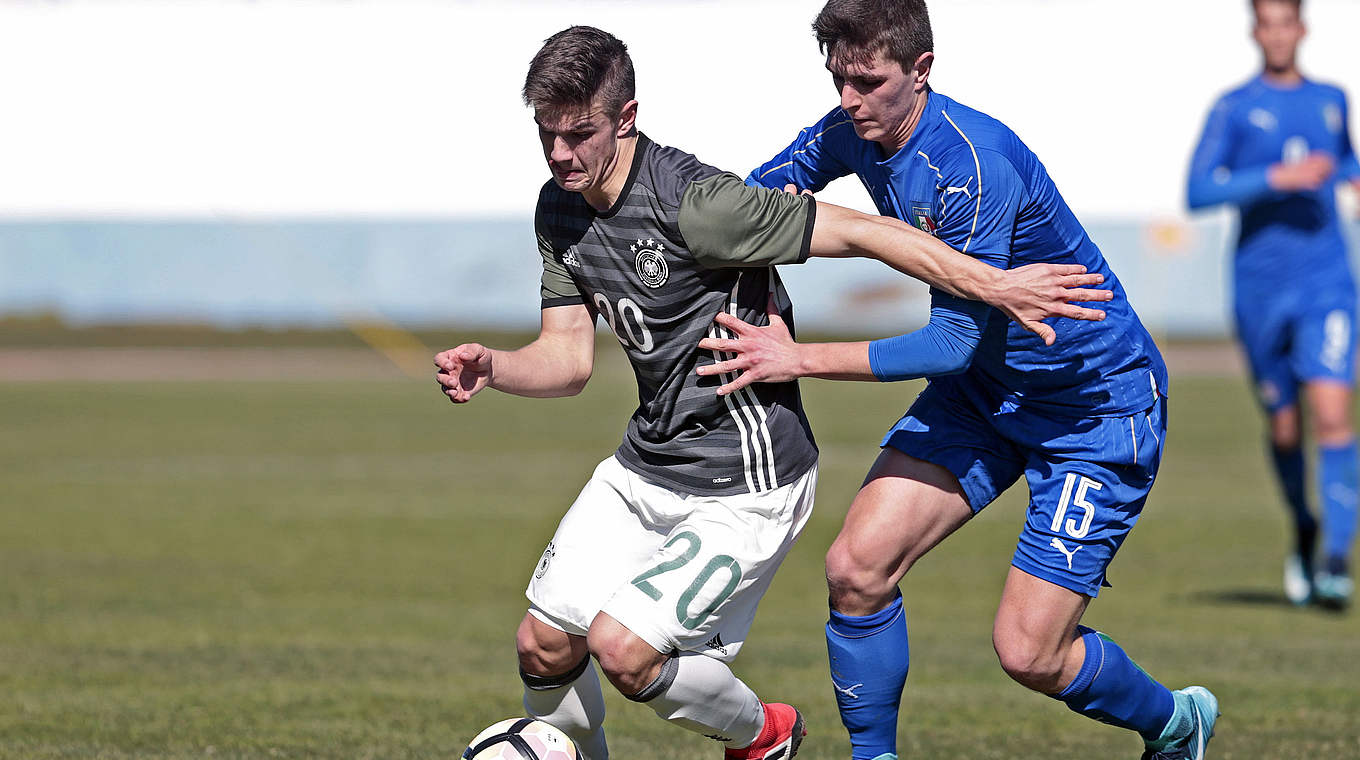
(682, 571)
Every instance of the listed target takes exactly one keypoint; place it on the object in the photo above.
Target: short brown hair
(576, 65)
(854, 30)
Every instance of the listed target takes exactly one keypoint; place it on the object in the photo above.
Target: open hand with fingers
(1035, 292)
(758, 354)
(463, 371)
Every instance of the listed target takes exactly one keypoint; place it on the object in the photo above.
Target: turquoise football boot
(1204, 713)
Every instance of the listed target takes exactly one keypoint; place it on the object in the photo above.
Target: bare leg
(560, 684)
(905, 507)
(693, 691)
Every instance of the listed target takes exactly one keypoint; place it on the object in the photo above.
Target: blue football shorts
(1088, 477)
(1291, 339)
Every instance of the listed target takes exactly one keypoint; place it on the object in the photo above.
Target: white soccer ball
(521, 739)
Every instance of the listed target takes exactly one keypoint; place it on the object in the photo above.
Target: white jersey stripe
(724, 378)
(817, 136)
(978, 211)
(751, 401)
(1133, 435)
(744, 395)
(764, 419)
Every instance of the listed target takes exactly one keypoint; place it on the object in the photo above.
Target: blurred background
(308, 163)
(237, 520)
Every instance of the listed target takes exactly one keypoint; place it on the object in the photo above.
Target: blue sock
(1112, 689)
(1289, 466)
(869, 659)
(1340, 475)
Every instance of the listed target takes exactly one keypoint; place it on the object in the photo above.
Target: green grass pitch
(334, 569)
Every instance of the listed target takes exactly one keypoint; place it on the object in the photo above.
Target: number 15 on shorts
(1074, 494)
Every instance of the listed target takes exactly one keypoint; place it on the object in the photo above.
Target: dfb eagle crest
(650, 262)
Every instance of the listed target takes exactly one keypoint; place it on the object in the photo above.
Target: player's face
(1278, 31)
(580, 144)
(879, 96)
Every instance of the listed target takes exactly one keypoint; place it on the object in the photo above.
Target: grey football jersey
(683, 242)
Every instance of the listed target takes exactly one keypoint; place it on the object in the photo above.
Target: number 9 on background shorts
(681, 571)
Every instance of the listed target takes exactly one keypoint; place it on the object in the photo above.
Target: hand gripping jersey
(1287, 242)
(966, 178)
(683, 242)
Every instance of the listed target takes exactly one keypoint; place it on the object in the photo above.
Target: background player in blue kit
(1275, 148)
(1083, 421)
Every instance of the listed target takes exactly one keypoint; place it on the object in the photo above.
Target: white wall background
(282, 108)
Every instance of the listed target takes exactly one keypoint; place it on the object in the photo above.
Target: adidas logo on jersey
(569, 258)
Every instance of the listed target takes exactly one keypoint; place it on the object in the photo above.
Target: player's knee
(1333, 425)
(626, 660)
(856, 587)
(1030, 665)
(1286, 433)
(1286, 438)
(544, 650)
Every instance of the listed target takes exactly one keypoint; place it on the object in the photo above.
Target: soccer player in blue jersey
(1082, 421)
(1276, 147)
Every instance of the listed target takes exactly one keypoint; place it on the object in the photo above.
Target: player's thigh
(1088, 486)
(545, 649)
(1324, 361)
(699, 590)
(904, 509)
(947, 427)
(601, 542)
(1266, 332)
(1036, 622)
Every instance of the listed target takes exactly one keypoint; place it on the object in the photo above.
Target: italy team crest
(921, 219)
(650, 262)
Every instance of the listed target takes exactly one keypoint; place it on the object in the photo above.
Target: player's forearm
(841, 232)
(1208, 189)
(542, 369)
(835, 361)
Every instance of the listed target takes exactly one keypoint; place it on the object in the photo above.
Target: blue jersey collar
(1269, 85)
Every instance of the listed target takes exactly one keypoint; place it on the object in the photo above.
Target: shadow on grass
(1260, 598)
(1241, 596)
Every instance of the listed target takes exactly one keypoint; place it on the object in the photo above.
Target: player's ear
(920, 71)
(627, 120)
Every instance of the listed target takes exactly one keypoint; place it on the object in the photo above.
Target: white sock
(701, 694)
(573, 703)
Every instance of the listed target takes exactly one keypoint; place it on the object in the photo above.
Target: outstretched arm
(557, 363)
(1027, 294)
(769, 354)
(725, 223)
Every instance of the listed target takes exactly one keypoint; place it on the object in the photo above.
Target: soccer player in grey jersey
(657, 568)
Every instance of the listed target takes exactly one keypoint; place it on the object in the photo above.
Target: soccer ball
(521, 739)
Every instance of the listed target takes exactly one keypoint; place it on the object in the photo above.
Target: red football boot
(778, 740)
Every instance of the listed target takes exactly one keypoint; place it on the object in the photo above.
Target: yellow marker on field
(391, 340)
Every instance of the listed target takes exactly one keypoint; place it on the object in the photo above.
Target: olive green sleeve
(726, 223)
(556, 288)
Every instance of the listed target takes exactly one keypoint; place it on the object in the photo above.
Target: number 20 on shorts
(720, 563)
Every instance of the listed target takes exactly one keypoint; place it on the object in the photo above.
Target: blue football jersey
(1286, 241)
(966, 178)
